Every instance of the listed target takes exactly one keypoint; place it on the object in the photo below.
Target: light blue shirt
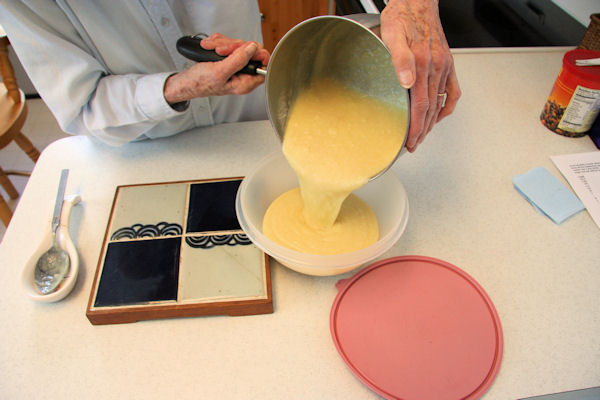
(101, 66)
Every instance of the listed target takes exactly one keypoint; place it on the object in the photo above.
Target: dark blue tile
(139, 271)
(212, 207)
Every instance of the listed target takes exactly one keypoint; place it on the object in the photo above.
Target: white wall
(579, 9)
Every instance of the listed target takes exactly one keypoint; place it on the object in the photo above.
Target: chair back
(7, 71)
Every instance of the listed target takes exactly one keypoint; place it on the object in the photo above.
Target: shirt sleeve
(82, 95)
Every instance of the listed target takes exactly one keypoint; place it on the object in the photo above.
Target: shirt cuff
(150, 99)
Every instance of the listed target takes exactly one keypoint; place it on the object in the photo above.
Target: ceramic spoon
(64, 240)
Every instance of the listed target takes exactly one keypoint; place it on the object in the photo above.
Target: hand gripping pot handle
(189, 47)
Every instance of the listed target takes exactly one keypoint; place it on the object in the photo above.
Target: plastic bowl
(274, 176)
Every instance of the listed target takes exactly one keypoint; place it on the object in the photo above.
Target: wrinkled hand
(412, 30)
(218, 78)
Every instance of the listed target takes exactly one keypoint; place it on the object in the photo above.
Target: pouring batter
(336, 139)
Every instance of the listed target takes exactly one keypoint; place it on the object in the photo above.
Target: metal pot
(347, 49)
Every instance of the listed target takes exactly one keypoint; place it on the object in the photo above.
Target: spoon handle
(62, 186)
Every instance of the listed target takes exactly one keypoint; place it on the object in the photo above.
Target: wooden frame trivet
(175, 249)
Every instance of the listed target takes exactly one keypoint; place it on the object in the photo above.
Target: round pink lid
(415, 327)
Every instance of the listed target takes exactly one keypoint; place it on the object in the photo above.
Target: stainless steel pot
(347, 49)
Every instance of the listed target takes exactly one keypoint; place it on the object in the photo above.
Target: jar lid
(588, 72)
(415, 327)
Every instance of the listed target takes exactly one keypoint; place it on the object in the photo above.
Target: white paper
(582, 171)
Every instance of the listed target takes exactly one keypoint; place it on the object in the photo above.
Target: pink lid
(416, 327)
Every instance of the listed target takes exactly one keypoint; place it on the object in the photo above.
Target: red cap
(591, 73)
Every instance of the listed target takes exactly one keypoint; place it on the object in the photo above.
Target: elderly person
(111, 70)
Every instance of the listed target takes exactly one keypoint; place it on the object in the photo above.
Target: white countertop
(543, 278)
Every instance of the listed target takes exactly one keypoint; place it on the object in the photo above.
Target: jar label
(582, 110)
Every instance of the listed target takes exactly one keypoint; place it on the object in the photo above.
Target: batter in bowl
(335, 140)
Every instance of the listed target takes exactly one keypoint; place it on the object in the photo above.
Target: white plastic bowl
(274, 176)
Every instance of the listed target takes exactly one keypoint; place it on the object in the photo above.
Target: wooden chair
(13, 112)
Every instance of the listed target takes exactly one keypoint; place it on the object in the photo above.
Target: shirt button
(164, 21)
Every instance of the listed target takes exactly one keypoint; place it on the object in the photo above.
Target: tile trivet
(175, 249)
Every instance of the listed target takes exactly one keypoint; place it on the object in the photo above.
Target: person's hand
(412, 30)
(218, 78)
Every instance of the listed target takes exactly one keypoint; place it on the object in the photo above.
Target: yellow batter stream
(335, 140)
